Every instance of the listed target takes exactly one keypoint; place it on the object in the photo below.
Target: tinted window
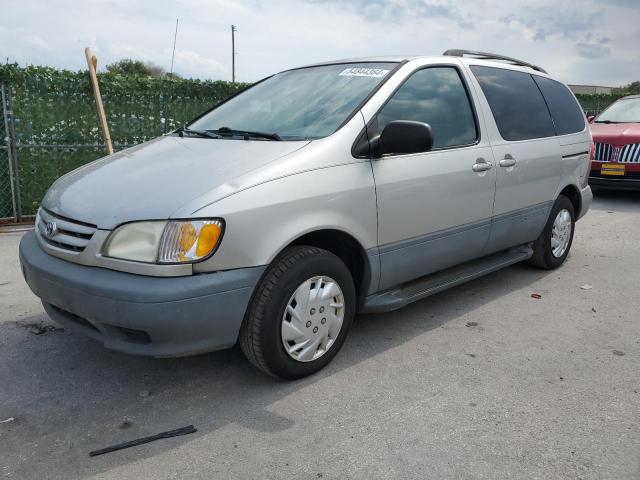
(516, 102)
(438, 97)
(567, 115)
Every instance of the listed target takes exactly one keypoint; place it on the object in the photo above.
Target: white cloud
(38, 42)
(562, 36)
(200, 65)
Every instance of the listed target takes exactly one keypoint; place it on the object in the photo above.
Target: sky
(580, 42)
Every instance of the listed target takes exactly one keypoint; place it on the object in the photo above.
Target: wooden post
(92, 63)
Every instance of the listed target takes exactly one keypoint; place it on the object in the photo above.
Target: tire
(544, 255)
(275, 317)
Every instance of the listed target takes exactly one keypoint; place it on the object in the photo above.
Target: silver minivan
(345, 187)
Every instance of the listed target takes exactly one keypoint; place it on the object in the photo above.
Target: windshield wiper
(605, 121)
(200, 133)
(247, 133)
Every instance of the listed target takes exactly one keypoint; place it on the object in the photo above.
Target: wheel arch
(573, 194)
(348, 249)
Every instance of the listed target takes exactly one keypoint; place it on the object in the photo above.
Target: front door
(434, 208)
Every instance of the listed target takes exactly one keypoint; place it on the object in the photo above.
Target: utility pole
(233, 53)
(175, 36)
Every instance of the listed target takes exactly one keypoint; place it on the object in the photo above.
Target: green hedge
(56, 107)
(597, 102)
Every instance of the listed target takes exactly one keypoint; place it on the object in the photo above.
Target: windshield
(623, 111)
(306, 103)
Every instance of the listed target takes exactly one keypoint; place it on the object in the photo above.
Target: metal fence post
(14, 152)
(10, 143)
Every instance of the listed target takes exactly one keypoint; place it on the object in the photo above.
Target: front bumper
(155, 316)
(615, 183)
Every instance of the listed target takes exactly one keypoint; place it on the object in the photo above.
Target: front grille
(606, 152)
(63, 232)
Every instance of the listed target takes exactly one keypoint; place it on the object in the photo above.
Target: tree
(633, 88)
(130, 67)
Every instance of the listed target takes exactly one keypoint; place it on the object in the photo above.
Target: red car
(616, 151)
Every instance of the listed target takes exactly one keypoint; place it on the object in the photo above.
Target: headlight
(179, 241)
(189, 240)
(135, 241)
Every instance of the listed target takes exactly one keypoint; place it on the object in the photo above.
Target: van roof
(482, 58)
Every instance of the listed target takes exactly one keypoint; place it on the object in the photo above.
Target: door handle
(507, 161)
(481, 165)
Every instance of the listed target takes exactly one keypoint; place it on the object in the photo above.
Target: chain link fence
(8, 208)
(597, 102)
(49, 123)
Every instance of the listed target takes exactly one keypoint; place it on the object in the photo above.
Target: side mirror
(591, 118)
(404, 136)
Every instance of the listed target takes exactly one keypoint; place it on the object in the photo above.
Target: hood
(616, 134)
(154, 179)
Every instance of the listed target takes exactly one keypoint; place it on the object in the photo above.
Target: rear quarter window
(567, 115)
(517, 105)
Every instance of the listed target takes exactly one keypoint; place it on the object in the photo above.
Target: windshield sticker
(364, 72)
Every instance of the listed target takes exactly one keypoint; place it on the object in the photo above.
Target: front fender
(262, 220)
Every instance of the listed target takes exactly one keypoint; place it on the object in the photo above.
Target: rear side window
(567, 115)
(516, 103)
(437, 96)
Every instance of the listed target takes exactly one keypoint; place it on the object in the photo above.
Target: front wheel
(300, 314)
(551, 248)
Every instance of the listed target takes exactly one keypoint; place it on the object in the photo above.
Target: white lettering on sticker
(364, 72)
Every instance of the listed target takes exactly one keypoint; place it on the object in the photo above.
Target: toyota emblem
(50, 229)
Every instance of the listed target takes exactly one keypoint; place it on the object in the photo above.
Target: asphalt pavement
(482, 381)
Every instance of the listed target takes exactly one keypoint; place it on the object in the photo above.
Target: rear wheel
(300, 314)
(552, 247)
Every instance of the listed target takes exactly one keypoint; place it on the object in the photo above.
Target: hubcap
(312, 319)
(561, 233)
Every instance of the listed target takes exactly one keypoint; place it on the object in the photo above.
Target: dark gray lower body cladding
(155, 316)
(398, 297)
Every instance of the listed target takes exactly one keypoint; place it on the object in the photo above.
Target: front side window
(626, 110)
(305, 103)
(516, 103)
(437, 96)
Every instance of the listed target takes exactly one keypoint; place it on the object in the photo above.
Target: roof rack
(491, 56)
